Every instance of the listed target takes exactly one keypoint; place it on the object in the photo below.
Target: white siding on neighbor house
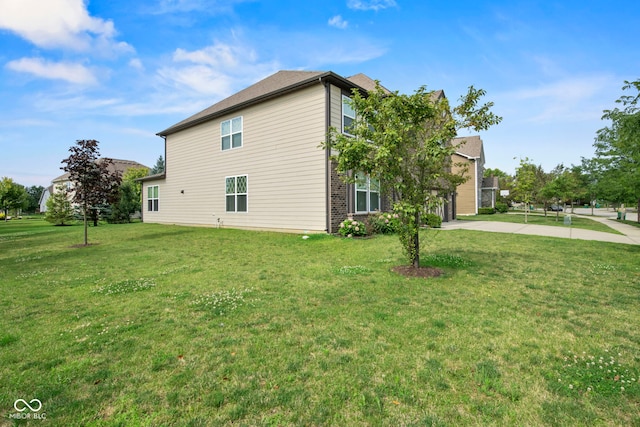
(280, 154)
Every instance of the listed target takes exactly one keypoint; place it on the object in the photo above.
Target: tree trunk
(638, 211)
(86, 237)
(416, 243)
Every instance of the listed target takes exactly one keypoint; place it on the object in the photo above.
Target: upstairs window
(152, 198)
(348, 115)
(231, 133)
(367, 194)
(236, 193)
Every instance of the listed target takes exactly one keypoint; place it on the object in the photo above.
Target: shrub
(351, 227)
(486, 211)
(433, 220)
(384, 223)
(502, 207)
(1, 215)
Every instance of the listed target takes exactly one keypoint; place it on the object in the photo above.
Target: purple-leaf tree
(94, 184)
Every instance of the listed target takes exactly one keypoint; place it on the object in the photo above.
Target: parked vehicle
(554, 208)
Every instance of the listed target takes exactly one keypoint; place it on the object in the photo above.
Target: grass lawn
(540, 219)
(164, 325)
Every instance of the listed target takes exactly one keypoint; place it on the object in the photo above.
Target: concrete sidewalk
(631, 234)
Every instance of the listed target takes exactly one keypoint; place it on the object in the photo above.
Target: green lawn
(540, 219)
(164, 325)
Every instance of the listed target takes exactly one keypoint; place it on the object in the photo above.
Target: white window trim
(236, 194)
(231, 133)
(345, 98)
(151, 199)
(368, 197)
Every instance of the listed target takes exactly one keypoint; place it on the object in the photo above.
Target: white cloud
(60, 24)
(67, 71)
(219, 69)
(338, 22)
(370, 4)
(136, 63)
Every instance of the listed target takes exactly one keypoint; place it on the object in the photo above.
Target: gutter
(327, 167)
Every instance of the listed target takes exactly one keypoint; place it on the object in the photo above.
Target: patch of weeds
(222, 302)
(28, 258)
(8, 339)
(601, 269)
(352, 270)
(488, 376)
(125, 287)
(603, 373)
(446, 260)
(31, 274)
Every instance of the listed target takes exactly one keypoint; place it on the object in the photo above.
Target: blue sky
(120, 71)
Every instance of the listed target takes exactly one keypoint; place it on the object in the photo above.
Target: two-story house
(477, 191)
(254, 160)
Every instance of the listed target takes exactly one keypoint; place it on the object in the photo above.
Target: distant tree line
(16, 199)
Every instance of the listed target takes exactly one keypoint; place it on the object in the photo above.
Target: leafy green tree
(589, 177)
(127, 204)
(561, 185)
(527, 184)
(12, 196)
(404, 141)
(158, 167)
(33, 200)
(131, 177)
(618, 146)
(59, 211)
(94, 184)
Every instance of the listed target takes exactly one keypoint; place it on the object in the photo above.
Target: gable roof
(117, 165)
(366, 82)
(275, 85)
(490, 182)
(471, 149)
(270, 87)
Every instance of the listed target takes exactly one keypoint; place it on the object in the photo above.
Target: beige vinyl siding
(466, 193)
(336, 107)
(280, 154)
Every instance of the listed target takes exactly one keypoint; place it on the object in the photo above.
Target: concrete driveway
(631, 234)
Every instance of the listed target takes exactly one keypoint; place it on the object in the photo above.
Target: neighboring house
(46, 193)
(254, 160)
(490, 189)
(118, 165)
(469, 153)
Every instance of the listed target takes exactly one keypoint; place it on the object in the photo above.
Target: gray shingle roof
(275, 85)
(366, 82)
(118, 165)
(472, 148)
(278, 83)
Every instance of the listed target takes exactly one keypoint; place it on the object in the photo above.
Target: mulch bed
(411, 271)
